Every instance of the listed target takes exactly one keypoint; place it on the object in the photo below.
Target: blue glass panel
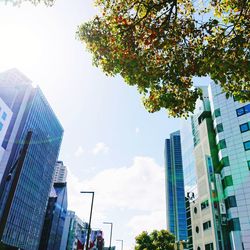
(4, 116)
(240, 111)
(244, 127)
(247, 145)
(247, 108)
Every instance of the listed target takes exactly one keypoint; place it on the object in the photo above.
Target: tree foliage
(161, 45)
(157, 240)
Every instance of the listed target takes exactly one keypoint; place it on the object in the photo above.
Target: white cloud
(99, 148)
(137, 130)
(80, 151)
(139, 187)
(148, 222)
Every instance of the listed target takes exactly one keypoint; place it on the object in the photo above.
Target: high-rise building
(207, 227)
(35, 128)
(231, 122)
(60, 175)
(56, 211)
(175, 197)
(66, 229)
(5, 117)
(190, 180)
(220, 210)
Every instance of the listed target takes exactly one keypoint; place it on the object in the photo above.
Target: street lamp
(121, 243)
(90, 216)
(111, 229)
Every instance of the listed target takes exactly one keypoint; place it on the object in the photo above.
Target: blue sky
(111, 144)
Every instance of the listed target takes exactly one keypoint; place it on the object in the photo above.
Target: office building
(32, 144)
(56, 211)
(74, 232)
(60, 175)
(5, 117)
(175, 197)
(207, 227)
(232, 134)
(190, 180)
(220, 210)
(65, 236)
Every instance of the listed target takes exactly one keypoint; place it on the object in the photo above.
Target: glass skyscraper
(55, 218)
(31, 112)
(56, 211)
(175, 196)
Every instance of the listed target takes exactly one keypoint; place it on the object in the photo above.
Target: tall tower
(231, 121)
(221, 210)
(60, 175)
(29, 194)
(206, 217)
(175, 197)
(56, 211)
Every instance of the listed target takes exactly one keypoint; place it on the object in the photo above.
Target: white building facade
(61, 172)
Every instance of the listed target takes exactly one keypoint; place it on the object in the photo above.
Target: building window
(243, 110)
(195, 210)
(244, 127)
(230, 201)
(1, 126)
(247, 145)
(197, 229)
(217, 113)
(225, 161)
(4, 116)
(206, 225)
(209, 246)
(248, 164)
(204, 204)
(219, 128)
(227, 181)
(234, 224)
(222, 144)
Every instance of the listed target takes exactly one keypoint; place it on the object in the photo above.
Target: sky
(111, 144)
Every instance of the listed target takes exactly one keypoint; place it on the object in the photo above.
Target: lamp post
(111, 229)
(90, 216)
(121, 243)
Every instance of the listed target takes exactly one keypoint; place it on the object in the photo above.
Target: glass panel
(225, 161)
(219, 128)
(247, 108)
(247, 145)
(248, 164)
(4, 116)
(230, 202)
(222, 144)
(240, 111)
(244, 127)
(217, 113)
(227, 181)
(234, 224)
